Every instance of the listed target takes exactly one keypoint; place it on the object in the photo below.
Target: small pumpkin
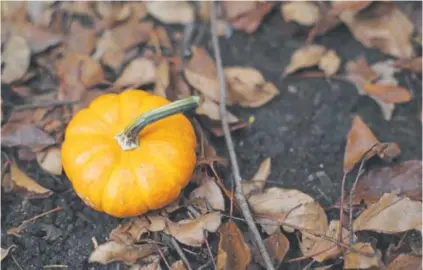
(113, 173)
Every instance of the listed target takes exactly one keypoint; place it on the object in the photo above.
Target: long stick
(239, 195)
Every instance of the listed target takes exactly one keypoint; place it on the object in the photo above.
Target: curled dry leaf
(139, 71)
(113, 12)
(259, 179)
(25, 135)
(354, 260)
(304, 57)
(277, 245)
(405, 262)
(192, 231)
(30, 188)
(233, 252)
(80, 39)
(113, 251)
(405, 179)
(171, 12)
(360, 139)
(248, 88)
(330, 63)
(178, 265)
(305, 13)
(5, 251)
(157, 223)
(16, 57)
(390, 32)
(131, 33)
(391, 214)
(210, 192)
(130, 232)
(210, 109)
(50, 160)
(250, 21)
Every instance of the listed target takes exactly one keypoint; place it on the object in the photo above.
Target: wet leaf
(391, 214)
(404, 179)
(211, 109)
(30, 188)
(250, 21)
(16, 57)
(171, 12)
(304, 57)
(277, 245)
(360, 139)
(405, 262)
(330, 63)
(80, 40)
(25, 135)
(388, 93)
(178, 265)
(259, 179)
(139, 71)
(210, 192)
(5, 251)
(113, 251)
(390, 32)
(248, 88)
(354, 260)
(305, 13)
(233, 252)
(192, 232)
(50, 160)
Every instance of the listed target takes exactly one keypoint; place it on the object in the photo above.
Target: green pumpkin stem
(128, 138)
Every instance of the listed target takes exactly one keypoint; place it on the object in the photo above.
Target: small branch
(181, 253)
(341, 211)
(239, 195)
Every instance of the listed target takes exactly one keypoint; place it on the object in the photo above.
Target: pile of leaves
(58, 56)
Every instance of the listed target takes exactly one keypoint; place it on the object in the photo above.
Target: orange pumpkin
(129, 182)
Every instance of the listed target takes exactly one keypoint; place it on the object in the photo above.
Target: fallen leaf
(414, 64)
(404, 179)
(405, 262)
(5, 251)
(360, 72)
(250, 21)
(178, 265)
(192, 231)
(391, 214)
(113, 251)
(109, 51)
(233, 252)
(157, 223)
(80, 40)
(305, 13)
(113, 13)
(131, 33)
(390, 32)
(210, 192)
(155, 265)
(40, 12)
(330, 63)
(16, 57)
(139, 71)
(304, 57)
(180, 12)
(277, 245)
(131, 231)
(259, 179)
(234, 9)
(50, 160)
(25, 135)
(354, 260)
(138, 10)
(388, 93)
(31, 189)
(162, 78)
(210, 109)
(248, 88)
(360, 139)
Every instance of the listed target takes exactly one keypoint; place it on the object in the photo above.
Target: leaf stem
(128, 138)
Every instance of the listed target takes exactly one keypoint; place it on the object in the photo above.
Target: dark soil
(303, 131)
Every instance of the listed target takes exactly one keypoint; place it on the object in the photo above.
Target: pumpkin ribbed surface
(128, 183)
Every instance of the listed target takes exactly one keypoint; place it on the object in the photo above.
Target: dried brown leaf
(109, 51)
(233, 252)
(113, 251)
(391, 214)
(414, 64)
(259, 179)
(305, 12)
(354, 260)
(139, 71)
(248, 88)
(178, 265)
(131, 33)
(131, 231)
(390, 31)
(360, 72)
(330, 63)
(404, 179)
(234, 9)
(112, 13)
(162, 78)
(211, 193)
(50, 160)
(5, 251)
(80, 40)
(360, 139)
(210, 109)
(16, 57)
(277, 245)
(157, 223)
(250, 21)
(304, 57)
(30, 188)
(388, 93)
(405, 262)
(171, 12)
(25, 135)
(192, 232)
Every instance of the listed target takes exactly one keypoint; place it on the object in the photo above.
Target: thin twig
(45, 104)
(163, 257)
(341, 211)
(181, 253)
(16, 262)
(211, 254)
(235, 168)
